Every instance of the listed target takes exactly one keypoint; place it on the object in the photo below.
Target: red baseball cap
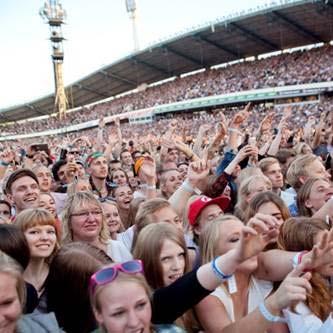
(202, 202)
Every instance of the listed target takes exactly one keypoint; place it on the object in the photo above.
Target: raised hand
(241, 116)
(8, 156)
(198, 170)
(260, 231)
(266, 123)
(321, 253)
(147, 171)
(292, 290)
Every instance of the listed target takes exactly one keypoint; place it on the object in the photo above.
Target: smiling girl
(40, 230)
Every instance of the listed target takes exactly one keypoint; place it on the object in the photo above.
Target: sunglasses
(108, 274)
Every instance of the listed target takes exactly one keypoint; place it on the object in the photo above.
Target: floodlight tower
(54, 15)
(131, 10)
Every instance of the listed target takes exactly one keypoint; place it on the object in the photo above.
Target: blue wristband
(268, 316)
(219, 274)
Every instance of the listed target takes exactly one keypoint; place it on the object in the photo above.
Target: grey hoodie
(38, 323)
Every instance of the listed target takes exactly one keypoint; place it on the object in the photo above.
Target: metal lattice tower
(54, 15)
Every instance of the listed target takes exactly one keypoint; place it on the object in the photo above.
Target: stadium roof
(266, 29)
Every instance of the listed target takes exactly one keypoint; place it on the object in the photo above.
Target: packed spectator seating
(299, 67)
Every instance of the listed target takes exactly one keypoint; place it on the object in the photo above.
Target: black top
(170, 302)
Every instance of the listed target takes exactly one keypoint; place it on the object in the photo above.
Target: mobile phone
(40, 147)
(63, 154)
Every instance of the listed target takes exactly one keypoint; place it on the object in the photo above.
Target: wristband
(3, 163)
(218, 273)
(297, 259)
(188, 187)
(150, 187)
(268, 316)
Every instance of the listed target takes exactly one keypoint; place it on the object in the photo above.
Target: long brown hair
(304, 194)
(148, 248)
(265, 197)
(298, 234)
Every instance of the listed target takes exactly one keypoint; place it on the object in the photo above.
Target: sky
(97, 32)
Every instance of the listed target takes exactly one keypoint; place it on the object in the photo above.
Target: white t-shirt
(117, 251)
(126, 237)
(304, 321)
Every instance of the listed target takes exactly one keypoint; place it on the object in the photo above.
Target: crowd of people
(214, 222)
(315, 65)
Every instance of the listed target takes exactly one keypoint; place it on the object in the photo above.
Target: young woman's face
(125, 308)
(230, 235)
(119, 177)
(5, 213)
(270, 208)
(124, 196)
(10, 307)
(86, 222)
(112, 217)
(42, 240)
(46, 201)
(172, 259)
(321, 192)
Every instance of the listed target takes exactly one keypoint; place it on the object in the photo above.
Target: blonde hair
(210, 236)
(244, 191)
(132, 278)
(265, 163)
(80, 199)
(10, 267)
(297, 169)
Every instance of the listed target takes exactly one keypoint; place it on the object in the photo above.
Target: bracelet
(218, 273)
(297, 259)
(268, 316)
(150, 187)
(187, 186)
(3, 163)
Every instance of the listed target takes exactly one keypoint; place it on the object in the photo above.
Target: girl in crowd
(67, 283)
(14, 244)
(47, 202)
(248, 189)
(112, 217)
(41, 233)
(162, 249)
(300, 234)
(123, 304)
(268, 203)
(313, 195)
(233, 305)
(12, 299)
(83, 221)
(123, 195)
(119, 177)
(5, 211)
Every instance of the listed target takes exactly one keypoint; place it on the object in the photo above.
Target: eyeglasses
(108, 274)
(85, 214)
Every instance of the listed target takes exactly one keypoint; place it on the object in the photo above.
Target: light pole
(131, 10)
(54, 15)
